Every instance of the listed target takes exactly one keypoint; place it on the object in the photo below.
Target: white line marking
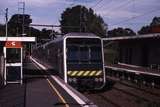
(137, 72)
(70, 92)
(134, 66)
(44, 68)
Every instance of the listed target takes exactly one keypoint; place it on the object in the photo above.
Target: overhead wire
(104, 5)
(96, 4)
(132, 18)
(122, 5)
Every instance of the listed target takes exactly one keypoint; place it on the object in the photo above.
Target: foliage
(145, 30)
(154, 27)
(16, 22)
(81, 19)
(2, 30)
(155, 21)
(121, 32)
(15, 28)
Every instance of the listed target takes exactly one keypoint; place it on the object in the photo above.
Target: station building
(139, 50)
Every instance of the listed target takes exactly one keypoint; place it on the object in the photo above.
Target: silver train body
(77, 57)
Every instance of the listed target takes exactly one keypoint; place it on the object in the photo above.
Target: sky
(116, 13)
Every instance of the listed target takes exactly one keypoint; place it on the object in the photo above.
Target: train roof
(86, 35)
(72, 35)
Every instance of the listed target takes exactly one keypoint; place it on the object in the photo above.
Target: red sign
(13, 44)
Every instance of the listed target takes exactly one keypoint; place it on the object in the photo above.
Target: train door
(13, 62)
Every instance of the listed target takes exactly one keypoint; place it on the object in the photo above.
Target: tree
(121, 32)
(155, 21)
(154, 27)
(81, 19)
(16, 22)
(145, 30)
(2, 30)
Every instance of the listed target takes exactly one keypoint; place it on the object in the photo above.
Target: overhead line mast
(6, 16)
(21, 10)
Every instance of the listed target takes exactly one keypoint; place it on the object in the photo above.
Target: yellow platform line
(54, 89)
(57, 92)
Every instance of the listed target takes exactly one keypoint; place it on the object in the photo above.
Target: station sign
(13, 44)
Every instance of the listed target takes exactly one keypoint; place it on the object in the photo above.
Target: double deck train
(77, 57)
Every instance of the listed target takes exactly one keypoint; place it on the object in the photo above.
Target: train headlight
(100, 79)
(75, 80)
(96, 79)
(70, 79)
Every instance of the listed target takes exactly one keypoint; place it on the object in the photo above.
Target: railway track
(124, 95)
(141, 94)
(142, 88)
(151, 91)
(101, 100)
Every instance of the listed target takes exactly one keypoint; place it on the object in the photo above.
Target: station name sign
(13, 44)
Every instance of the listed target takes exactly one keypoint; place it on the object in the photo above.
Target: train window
(84, 54)
(13, 55)
(72, 54)
(96, 54)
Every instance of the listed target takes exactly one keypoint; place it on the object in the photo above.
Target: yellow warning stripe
(69, 72)
(92, 73)
(80, 73)
(84, 73)
(74, 73)
(98, 73)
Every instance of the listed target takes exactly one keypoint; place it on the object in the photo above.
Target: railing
(155, 67)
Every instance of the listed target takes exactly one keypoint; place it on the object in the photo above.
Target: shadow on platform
(12, 95)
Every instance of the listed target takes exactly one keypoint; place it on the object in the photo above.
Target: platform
(40, 90)
(134, 69)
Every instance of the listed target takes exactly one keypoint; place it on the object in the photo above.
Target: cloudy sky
(116, 13)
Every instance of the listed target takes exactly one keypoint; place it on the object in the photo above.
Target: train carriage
(78, 59)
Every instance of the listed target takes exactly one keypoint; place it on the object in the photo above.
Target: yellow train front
(84, 61)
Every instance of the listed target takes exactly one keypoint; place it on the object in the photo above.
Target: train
(76, 57)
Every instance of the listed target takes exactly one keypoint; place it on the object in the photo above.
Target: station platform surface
(132, 68)
(38, 90)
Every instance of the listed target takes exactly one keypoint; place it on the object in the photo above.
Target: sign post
(13, 62)
(13, 53)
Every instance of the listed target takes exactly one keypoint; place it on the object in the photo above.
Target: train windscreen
(82, 50)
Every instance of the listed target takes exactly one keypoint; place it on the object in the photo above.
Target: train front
(84, 63)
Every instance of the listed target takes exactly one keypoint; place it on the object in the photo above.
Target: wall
(142, 52)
